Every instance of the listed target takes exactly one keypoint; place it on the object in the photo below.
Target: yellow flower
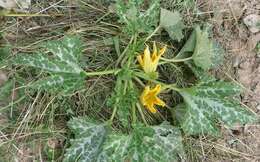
(149, 63)
(149, 98)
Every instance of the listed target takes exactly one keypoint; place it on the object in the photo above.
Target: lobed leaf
(115, 148)
(147, 144)
(64, 65)
(159, 143)
(135, 19)
(68, 50)
(203, 51)
(172, 23)
(207, 103)
(188, 48)
(88, 140)
(45, 63)
(60, 84)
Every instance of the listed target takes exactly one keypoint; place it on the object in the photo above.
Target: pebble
(252, 22)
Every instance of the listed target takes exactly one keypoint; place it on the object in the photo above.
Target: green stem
(176, 60)
(153, 33)
(172, 87)
(142, 114)
(164, 86)
(102, 72)
(133, 106)
(129, 57)
(133, 114)
(113, 115)
(121, 57)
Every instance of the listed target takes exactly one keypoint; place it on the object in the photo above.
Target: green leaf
(89, 138)
(115, 148)
(207, 103)
(217, 54)
(170, 140)
(68, 50)
(135, 19)
(148, 144)
(172, 23)
(157, 143)
(203, 52)
(65, 71)
(60, 84)
(188, 48)
(43, 62)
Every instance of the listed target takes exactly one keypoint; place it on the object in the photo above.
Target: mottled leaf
(63, 65)
(59, 84)
(148, 144)
(68, 50)
(208, 103)
(172, 23)
(66, 53)
(217, 54)
(135, 19)
(88, 140)
(115, 148)
(43, 62)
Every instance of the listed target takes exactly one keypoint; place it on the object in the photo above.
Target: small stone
(258, 107)
(236, 61)
(8, 4)
(252, 22)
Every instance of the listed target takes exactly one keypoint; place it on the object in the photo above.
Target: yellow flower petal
(140, 60)
(162, 51)
(149, 63)
(151, 109)
(160, 102)
(149, 98)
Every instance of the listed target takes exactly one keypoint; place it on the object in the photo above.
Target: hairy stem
(106, 72)
(113, 115)
(153, 33)
(176, 60)
(164, 86)
(141, 113)
(119, 60)
(133, 106)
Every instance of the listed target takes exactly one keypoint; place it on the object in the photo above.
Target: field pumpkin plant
(205, 104)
